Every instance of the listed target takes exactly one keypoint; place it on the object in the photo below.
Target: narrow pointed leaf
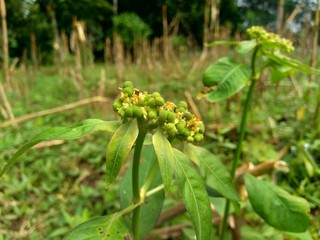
(244, 47)
(65, 133)
(293, 63)
(165, 157)
(215, 173)
(151, 209)
(194, 195)
(226, 77)
(102, 228)
(119, 148)
(277, 207)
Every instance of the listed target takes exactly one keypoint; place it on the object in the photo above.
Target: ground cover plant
(82, 213)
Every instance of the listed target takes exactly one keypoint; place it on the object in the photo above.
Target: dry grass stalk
(107, 51)
(5, 47)
(192, 105)
(314, 50)
(34, 50)
(62, 108)
(7, 106)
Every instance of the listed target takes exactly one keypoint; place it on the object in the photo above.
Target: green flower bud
(170, 128)
(137, 112)
(183, 104)
(181, 125)
(201, 128)
(128, 90)
(156, 94)
(187, 115)
(185, 132)
(152, 114)
(163, 115)
(151, 102)
(127, 84)
(180, 109)
(198, 137)
(159, 101)
(171, 117)
(190, 139)
(117, 104)
(121, 113)
(128, 112)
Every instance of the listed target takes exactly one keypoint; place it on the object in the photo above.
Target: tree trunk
(214, 22)
(5, 48)
(165, 34)
(314, 52)
(34, 50)
(280, 13)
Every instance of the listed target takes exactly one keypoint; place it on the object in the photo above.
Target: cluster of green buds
(153, 112)
(270, 41)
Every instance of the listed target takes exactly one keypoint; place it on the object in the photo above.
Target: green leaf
(290, 62)
(119, 148)
(101, 228)
(218, 43)
(151, 209)
(215, 173)
(165, 157)
(65, 133)
(244, 47)
(194, 195)
(227, 77)
(277, 207)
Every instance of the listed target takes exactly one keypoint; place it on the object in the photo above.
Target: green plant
(226, 77)
(149, 125)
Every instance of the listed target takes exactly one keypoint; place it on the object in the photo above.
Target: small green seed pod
(128, 112)
(185, 132)
(128, 90)
(137, 112)
(190, 139)
(127, 84)
(121, 113)
(117, 104)
(183, 104)
(171, 117)
(163, 115)
(181, 125)
(198, 137)
(151, 102)
(180, 109)
(156, 94)
(152, 114)
(170, 128)
(159, 101)
(201, 128)
(187, 115)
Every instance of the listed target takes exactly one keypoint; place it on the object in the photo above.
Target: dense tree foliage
(37, 16)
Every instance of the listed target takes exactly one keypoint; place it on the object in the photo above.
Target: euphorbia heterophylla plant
(226, 77)
(149, 125)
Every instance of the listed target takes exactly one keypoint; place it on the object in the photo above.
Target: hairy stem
(135, 184)
(243, 124)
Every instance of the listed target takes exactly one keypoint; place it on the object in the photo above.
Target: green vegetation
(160, 141)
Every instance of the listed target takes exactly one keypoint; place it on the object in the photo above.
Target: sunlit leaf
(119, 148)
(151, 209)
(244, 47)
(277, 207)
(194, 195)
(215, 173)
(65, 133)
(165, 157)
(226, 77)
(101, 228)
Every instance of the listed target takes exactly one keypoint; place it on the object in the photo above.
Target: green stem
(149, 179)
(243, 124)
(135, 184)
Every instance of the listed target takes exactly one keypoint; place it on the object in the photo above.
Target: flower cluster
(270, 41)
(152, 112)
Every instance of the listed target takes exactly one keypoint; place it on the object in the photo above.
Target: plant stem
(135, 183)
(254, 77)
